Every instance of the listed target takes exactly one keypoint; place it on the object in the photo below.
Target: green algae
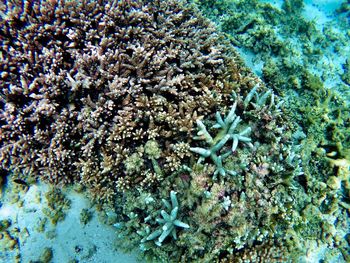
(85, 216)
(57, 205)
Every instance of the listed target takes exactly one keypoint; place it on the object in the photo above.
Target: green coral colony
(141, 100)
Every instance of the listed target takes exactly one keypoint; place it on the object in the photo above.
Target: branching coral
(260, 99)
(227, 132)
(84, 84)
(168, 221)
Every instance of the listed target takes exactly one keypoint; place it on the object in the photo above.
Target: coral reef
(307, 64)
(228, 215)
(127, 99)
(228, 126)
(85, 216)
(46, 256)
(57, 205)
(86, 84)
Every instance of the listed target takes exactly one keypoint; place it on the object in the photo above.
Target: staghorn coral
(169, 221)
(263, 202)
(84, 84)
(227, 132)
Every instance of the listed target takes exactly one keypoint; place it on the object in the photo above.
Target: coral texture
(168, 222)
(231, 216)
(111, 94)
(293, 49)
(86, 84)
(228, 126)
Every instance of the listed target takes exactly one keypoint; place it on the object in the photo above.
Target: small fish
(20, 181)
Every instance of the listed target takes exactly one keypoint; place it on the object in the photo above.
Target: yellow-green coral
(152, 149)
(57, 205)
(134, 163)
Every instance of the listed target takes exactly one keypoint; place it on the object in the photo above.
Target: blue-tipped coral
(229, 125)
(259, 100)
(169, 221)
(228, 132)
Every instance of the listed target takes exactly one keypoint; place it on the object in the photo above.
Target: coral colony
(141, 100)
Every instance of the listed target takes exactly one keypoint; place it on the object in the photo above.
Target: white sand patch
(69, 239)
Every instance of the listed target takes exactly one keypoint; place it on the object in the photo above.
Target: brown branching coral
(268, 252)
(84, 83)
